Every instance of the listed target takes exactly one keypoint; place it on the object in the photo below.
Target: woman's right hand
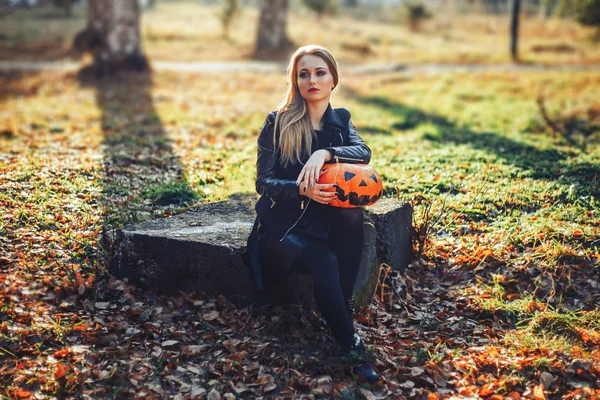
(321, 193)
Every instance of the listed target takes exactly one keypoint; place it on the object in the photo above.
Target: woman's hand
(321, 193)
(312, 169)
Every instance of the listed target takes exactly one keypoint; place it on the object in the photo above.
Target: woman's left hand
(312, 169)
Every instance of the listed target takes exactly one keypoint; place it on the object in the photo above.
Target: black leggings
(334, 266)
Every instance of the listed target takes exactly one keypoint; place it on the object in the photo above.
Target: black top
(324, 139)
(279, 209)
(277, 257)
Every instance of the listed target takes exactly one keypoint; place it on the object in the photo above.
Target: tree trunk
(349, 3)
(272, 41)
(514, 29)
(66, 6)
(113, 34)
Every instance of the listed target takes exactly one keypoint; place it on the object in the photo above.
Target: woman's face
(314, 78)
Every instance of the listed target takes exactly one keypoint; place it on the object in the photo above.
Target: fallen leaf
(268, 383)
(81, 327)
(211, 316)
(488, 389)
(60, 371)
(101, 305)
(546, 379)
(367, 394)
(23, 394)
(407, 385)
(237, 387)
(214, 395)
(194, 349)
(439, 379)
(538, 393)
(61, 353)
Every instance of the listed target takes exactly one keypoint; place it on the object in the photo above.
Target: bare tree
(113, 35)
(514, 29)
(272, 40)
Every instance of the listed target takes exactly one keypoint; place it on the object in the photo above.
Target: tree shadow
(141, 169)
(15, 83)
(546, 164)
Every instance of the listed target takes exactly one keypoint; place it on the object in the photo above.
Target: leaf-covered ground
(503, 302)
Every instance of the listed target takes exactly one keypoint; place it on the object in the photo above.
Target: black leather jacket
(281, 206)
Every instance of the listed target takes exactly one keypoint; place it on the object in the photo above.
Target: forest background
(483, 114)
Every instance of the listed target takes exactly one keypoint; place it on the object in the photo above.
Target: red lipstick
(313, 90)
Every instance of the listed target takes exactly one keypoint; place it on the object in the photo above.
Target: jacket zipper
(338, 158)
(298, 220)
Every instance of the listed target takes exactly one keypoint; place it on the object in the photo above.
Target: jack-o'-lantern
(358, 185)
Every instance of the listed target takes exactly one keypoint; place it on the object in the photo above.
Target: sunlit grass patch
(572, 332)
(176, 193)
(523, 340)
(538, 324)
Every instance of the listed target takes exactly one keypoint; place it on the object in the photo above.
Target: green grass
(538, 325)
(170, 193)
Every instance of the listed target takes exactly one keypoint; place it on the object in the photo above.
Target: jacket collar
(332, 118)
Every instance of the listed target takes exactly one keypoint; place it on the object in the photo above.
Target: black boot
(360, 359)
(350, 308)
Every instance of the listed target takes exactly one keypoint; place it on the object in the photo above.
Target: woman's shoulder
(343, 112)
(269, 120)
(271, 116)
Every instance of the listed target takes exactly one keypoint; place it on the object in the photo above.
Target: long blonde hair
(293, 119)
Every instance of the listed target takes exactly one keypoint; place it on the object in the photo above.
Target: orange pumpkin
(358, 185)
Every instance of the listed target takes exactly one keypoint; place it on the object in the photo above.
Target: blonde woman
(295, 228)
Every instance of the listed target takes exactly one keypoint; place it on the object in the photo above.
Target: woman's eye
(302, 75)
(321, 73)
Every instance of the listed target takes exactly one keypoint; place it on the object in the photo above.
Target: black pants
(334, 266)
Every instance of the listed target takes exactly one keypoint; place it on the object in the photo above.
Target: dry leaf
(211, 316)
(546, 379)
(23, 394)
(194, 349)
(407, 385)
(214, 395)
(60, 371)
(367, 394)
(439, 380)
(238, 388)
(538, 393)
(61, 353)
(268, 383)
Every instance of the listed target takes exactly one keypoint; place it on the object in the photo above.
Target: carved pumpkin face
(358, 184)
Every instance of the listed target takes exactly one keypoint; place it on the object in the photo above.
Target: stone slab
(393, 223)
(201, 250)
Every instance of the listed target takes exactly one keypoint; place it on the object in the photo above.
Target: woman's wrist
(327, 156)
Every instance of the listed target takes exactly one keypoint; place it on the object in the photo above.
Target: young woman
(295, 228)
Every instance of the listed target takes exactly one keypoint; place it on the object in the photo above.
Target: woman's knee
(349, 216)
(326, 269)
